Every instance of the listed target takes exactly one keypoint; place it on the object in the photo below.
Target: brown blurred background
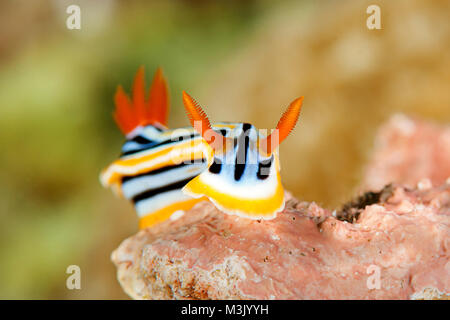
(242, 60)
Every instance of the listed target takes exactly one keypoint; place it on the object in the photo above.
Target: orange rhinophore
(199, 120)
(130, 114)
(284, 127)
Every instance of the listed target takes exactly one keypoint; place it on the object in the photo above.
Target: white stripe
(131, 170)
(246, 188)
(141, 184)
(152, 150)
(148, 206)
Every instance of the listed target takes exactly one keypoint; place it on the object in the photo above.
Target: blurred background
(242, 60)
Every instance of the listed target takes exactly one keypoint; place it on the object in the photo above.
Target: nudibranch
(165, 172)
(243, 177)
(155, 162)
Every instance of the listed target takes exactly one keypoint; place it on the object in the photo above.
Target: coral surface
(409, 151)
(307, 252)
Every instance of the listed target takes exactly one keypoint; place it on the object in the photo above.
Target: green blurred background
(242, 60)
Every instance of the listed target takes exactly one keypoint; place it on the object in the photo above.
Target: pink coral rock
(388, 245)
(409, 151)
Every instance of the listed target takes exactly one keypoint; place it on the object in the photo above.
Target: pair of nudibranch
(165, 172)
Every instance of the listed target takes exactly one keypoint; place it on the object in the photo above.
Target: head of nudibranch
(243, 177)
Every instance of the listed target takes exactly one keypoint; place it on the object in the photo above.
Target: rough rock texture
(409, 151)
(305, 253)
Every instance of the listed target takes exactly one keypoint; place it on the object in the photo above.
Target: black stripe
(216, 166)
(141, 140)
(153, 192)
(246, 127)
(241, 154)
(235, 143)
(151, 146)
(263, 168)
(163, 169)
